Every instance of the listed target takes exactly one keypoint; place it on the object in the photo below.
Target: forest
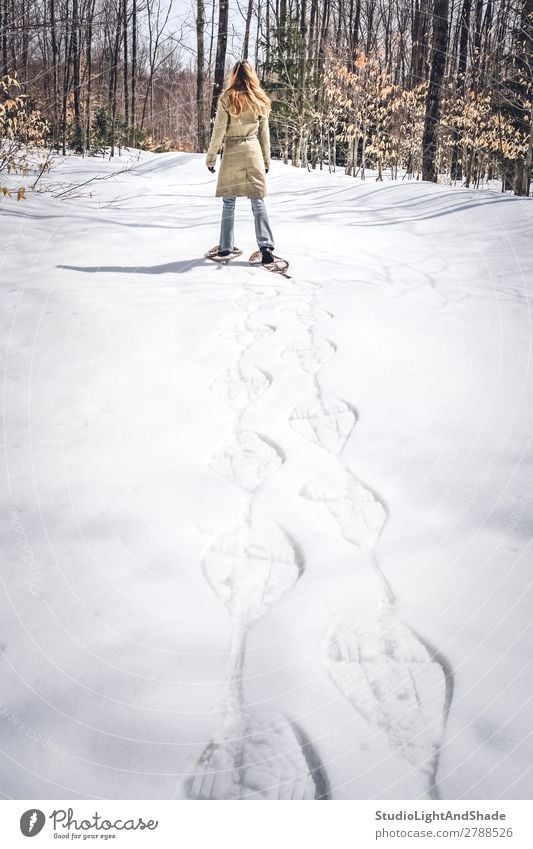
(432, 89)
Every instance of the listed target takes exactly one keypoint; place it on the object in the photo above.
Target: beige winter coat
(246, 152)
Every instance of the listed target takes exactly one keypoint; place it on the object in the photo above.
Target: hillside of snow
(264, 537)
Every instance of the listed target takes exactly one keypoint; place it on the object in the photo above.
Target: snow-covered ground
(265, 537)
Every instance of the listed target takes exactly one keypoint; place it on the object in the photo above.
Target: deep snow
(265, 537)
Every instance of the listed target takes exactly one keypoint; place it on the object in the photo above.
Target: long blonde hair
(244, 91)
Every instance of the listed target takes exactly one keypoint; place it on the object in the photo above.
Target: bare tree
(438, 63)
(200, 76)
(220, 61)
(464, 28)
(248, 24)
(133, 69)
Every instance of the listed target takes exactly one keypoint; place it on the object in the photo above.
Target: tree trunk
(78, 135)
(419, 42)
(302, 62)
(3, 30)
(354, 35)
(438, 64)
(88, 60)
(114, 82)
(55, 72)
(200, 77)
(220, 61)
(457, 165)
(66, 85)
(133, 139)
(524, 59)
(257, 33)
(525, 187)
(246, 42)
(125, 65)
(12, 44)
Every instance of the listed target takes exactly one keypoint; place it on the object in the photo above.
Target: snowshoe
(278, 265)
(222, 259)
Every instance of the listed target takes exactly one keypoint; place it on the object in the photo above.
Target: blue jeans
(263, 233)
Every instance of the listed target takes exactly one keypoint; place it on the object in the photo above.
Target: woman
(241, 124)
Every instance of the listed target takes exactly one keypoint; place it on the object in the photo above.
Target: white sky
(183, 17)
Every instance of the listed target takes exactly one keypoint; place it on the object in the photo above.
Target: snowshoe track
(391, 677)
(244, 333)
(309, 354)
(262, 757)
(247, 460)
(308, 314)
(360, 516)
(386, 673)
(251, 567)
(240, 385)
(328, 423)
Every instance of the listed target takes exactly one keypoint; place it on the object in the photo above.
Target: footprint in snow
(253, 298)
(395, 683)
(247, 460)
(309, 314)
(250, 567)
(309, 354)
(327, 422)
(262, 757)
(246, 333)
(357, 511)
(241, 384)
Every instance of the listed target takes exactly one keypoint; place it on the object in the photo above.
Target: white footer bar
(267, 825)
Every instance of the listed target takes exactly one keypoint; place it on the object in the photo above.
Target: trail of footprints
(258, 754)
(400, 686)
